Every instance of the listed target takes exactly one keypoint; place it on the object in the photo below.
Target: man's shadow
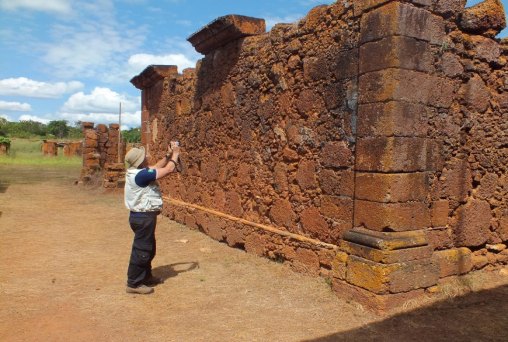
(172, 270)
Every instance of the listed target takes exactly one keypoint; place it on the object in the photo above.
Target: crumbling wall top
(153, 74)
(224, 30)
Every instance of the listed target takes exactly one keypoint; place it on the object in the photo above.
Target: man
(144, 200)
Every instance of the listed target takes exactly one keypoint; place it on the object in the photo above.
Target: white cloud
(140, 61)
(33, 118)
(57, 6)
(129, 119)
(23, 86)
(90, 52)
(15, 106)
(6, 117)
(100, 100)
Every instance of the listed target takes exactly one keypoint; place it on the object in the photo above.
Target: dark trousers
(143, 247)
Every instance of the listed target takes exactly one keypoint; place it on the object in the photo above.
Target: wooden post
(119, 158)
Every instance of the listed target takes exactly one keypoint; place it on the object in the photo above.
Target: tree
(58, 128)
(3, 127)
(132, 135)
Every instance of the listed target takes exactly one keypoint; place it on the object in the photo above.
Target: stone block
(393, 118)
(394, 216)
(440, 238)
(336, 154)
(365, 5)
(391, 278)
(337, 183)
(439, 213)
(386, 256)
(476, 94)
(306, 174)
(472, 227)
(448, 7)
(386, 240)
(396, 52)
(486, 18)
(401, 19)
(393, 154)
(282, 213)
(339, 265)
(314, 224)
(453, 261)
(224, 30)
(337, 208)
(392, 187)
(451, 65)
(344, 65)
(152, 75)
(280, 179)
(456, 180)
(406, 85)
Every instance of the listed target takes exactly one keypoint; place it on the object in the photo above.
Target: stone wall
(4, 148)
(70, 149)
(101, 163)
(49, 148)
(365, 143)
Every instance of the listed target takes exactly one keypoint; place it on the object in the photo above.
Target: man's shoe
(141, 289)
(151, 281)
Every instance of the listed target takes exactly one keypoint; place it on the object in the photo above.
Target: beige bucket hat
(135, 157)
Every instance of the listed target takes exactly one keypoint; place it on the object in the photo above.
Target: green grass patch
(28, 152)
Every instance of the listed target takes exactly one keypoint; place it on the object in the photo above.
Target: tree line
(60, 129)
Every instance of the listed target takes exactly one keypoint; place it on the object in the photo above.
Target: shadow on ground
(169, 271)
(480, 316)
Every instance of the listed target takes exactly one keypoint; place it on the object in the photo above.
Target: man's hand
(173, 148)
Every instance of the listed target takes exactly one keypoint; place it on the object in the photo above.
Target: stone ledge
(386, 256)
(386, 240)
(152, 74)
(224, 30)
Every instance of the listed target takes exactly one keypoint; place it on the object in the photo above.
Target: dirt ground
(64, 252)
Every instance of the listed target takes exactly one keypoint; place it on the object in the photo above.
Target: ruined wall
(100, 155)
(49, 148)
(74, 148)
(365, 143)
(5, 148)
(469, 191)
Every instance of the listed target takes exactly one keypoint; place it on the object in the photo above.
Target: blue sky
(73, 60)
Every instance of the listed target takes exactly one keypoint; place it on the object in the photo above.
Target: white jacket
(139, 199)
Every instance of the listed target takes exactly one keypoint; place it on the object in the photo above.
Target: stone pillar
(112, 144)
(149, 84)
(91, 157)
(49, 148)
(388, 256)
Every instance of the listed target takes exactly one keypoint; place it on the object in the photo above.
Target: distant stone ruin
(367, 143)
(5, 147)
(70, 149)
(101, 162)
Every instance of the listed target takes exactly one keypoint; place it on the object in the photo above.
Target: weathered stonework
(101, 160)
(70, 148)
(365, 143)
(4, 148)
